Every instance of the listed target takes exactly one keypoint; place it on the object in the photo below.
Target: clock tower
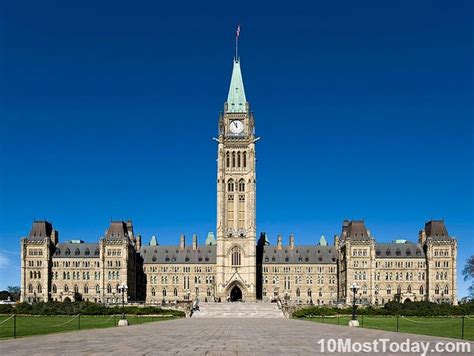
(236, 196)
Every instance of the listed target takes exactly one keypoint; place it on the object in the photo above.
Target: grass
(28, 325)
(434, 326)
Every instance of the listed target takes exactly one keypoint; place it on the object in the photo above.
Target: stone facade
(234, 265)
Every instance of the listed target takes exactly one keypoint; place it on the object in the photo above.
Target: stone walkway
(205, 336)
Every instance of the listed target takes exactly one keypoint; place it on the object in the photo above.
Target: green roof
(236, 99)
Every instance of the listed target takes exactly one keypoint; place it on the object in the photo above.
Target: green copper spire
(236, 99)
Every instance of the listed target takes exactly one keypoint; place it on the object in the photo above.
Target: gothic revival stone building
(234, 265)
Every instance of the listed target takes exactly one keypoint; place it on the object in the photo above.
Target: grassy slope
(36, 325)
(435, 326)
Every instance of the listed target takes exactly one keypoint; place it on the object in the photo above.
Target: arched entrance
(235, 294)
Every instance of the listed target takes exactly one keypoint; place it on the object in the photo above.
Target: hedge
(421, 308)
(85, 308)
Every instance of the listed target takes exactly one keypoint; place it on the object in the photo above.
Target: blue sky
(108, 112)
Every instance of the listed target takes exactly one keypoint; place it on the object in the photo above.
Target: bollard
(397, 323)
(462, 328)
(137, 317)
(115, 321)
(79, 321)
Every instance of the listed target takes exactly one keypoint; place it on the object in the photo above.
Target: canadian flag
(237, 33)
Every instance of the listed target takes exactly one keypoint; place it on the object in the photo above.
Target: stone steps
(238, 310)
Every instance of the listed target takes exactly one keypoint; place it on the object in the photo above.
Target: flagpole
(236, 46)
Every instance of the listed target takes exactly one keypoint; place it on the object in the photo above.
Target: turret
(279, 242)
(292, 242)
(195, 242)
(182, 242)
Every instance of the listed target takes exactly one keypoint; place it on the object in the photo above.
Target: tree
(14, 292)
(468, 272)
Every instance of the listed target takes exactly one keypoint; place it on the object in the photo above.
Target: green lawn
(435, 326)
(27, 325)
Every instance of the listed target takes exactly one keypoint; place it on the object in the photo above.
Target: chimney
(138, 244)
(279, 239)
(182, 242)
(292, 242)
(195, 242)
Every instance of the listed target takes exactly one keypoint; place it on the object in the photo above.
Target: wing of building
(234, 265)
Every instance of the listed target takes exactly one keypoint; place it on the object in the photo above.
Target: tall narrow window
(236, 256)
(233, 159)
(238, 159)
(227, 159)
(241, 185)
(244, 159)
(230, 185)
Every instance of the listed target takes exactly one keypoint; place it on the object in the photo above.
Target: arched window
(236, 256)
(238, 159)
(227, 159)
(109, 288)
(97, 289)
(31, 274)
(446, 289)
(422, 290)
(233, 159)
(241, 185)
(230, 185)
(399, 290)
(55, 289)
(164, 292)
(409, 289)
(389, 290)
(437, 290)
(76, 289)
(298, 293)
(39, 275)
(30, 288)
(153, 293)
(175, 292)
(309, 293)
(66, 288)
(86, 289)
(244, 159)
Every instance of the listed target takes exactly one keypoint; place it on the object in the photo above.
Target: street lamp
(122, 289)
(354, 288)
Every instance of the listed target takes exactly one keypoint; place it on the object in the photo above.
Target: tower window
(236, 256)
(238, 159)
(244, 159)
(227, 158)
(230, 185)
(241, 185)
(233, 159)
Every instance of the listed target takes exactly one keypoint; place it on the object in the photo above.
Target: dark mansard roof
(399, 250)
(355, 230)
(76, 250)
(299, 255)
(173, 255)
(118, 230)
(40, 230)
(436, 229)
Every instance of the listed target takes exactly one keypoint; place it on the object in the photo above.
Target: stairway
(238, 310)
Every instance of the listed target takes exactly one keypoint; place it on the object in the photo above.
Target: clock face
(236, 127)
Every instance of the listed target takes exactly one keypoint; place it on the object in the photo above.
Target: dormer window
(77, 252)
(68, 252)
(87, 252)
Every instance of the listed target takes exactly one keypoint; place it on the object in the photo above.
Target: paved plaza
(217, 336)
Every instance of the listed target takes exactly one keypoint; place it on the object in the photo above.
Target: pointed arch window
(238, 159)
(236, 256)
(241, 185)
(446, 289)
(30, 288)
(244, 159)
(86, 289)
(227, 159)
(437, 290)
(230, 185)
(153, 293)
(309, 293)
(109, 288)
(409, 289)
(164, 293)
(97, 289)
(55, 289)
(175, 292)
(66, 288)
(233, 159)
(422, 290)
(298, 293)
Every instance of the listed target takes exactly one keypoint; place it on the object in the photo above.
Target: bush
(6, 309)
(422, 308)
(88, 308)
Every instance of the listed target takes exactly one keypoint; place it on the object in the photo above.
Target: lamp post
(122, 289)
(354, 288)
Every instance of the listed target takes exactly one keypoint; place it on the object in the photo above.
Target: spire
(236, 99)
